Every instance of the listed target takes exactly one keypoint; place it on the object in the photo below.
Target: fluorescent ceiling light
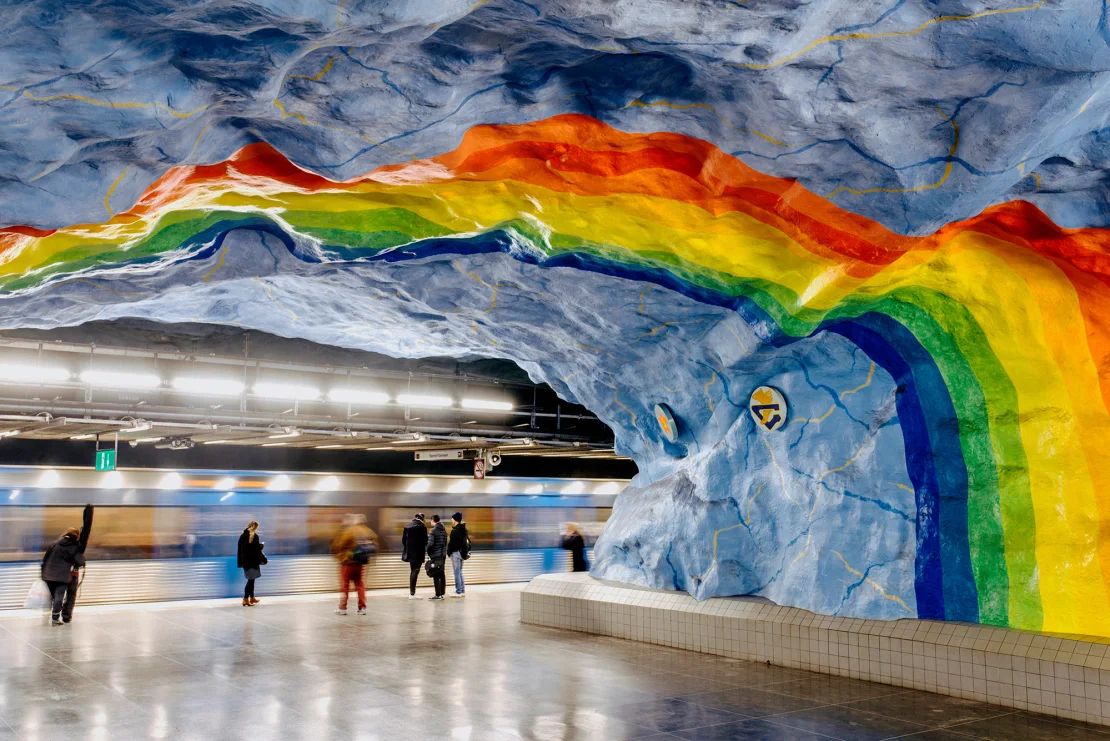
(328, 483)
(423, 400)
(501, 486)
(48, 480)
(288, 432)
(286, 391)
(215, 442)
(419, 485)
(280, 482)
(120, 379)
(8, 433)
(574, 487)
(31, 373)
(460, 487)
(86, 436)
(227, 482)
(610, 487)
(208, 385)
(148, 439)
(416, 437)
(273, 445)
(347, 395)
(489, 405)
(138, 425)
(328, 447)
(171, 481)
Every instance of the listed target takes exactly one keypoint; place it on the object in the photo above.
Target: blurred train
(172, 534)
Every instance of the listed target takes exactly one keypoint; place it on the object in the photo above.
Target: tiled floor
(290, 668)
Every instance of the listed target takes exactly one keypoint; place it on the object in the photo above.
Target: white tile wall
(1056, 675)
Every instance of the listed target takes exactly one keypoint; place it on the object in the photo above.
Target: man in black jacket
(414, 540)
(458, 550)
(61, 566)
(437, 551)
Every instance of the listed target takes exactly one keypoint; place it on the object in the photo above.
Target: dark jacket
(576, 544)
(61, 559)
(437, 542)
(458, 540)
(414, 540)
(250, 551)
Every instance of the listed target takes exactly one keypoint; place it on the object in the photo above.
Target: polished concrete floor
(467, 669)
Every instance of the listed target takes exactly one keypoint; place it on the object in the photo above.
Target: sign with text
(453, 454)
(106, 460)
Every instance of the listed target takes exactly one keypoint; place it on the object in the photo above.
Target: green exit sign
(105, 460)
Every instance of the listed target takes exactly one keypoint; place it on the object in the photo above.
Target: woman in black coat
(250, 560)
(576, 544)
(60, 568)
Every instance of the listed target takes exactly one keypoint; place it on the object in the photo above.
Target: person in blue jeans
(458, 550)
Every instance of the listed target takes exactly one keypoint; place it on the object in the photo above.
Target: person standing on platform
(251, 560)
(353, 547)
(576, 544)
(414, 541)
(61, 568)
(458, 550)
(437, 552)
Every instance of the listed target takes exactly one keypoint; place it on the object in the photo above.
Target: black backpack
(363, 550)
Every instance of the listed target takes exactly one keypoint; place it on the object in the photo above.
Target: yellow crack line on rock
(216, 268)
(872, 583)
(768, 138)
(657, 329)
(846, 463)
(623, 406)
(878, 35)
(862, 386)
(948, 167)
(114, 105)
(319, 75)
(705, 390)
(906, 488)
(112, 189)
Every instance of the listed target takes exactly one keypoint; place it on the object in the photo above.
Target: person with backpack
(437, 554)
(353, 547)
(61, 568)
(458, 550)
(414, 541)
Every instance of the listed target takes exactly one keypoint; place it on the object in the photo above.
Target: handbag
(38, 596)
(252, 573)
(430, 567)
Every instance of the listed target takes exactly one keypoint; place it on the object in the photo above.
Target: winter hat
(457, 517)
(419, 515)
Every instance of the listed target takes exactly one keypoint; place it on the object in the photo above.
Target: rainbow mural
(994, 331)
(895, 217)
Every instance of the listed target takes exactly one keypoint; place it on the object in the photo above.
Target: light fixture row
(173, 480)
(216, 386)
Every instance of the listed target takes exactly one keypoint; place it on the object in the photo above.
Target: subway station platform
(413, 669)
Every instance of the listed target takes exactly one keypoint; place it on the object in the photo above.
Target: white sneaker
(458, 595)
(340, 612)
(362, 612)
(413, 596)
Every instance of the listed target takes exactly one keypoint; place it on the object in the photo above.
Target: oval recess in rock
(667, 425)
(768, 408)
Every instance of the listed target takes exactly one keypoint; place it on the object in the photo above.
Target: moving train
(163, 534)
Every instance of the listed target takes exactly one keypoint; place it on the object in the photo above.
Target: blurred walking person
(353, 547)
(414, 541)
(576, 544)
(437, 552)
(251, 559)
(458, 550)
(61, 568)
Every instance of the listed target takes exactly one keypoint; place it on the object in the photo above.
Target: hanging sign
(666, 423)
(768, 408)
(479, 468)
(106, 460)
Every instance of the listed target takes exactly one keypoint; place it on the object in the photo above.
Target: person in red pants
(352, 548)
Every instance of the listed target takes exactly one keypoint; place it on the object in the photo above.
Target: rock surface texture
(894, 214)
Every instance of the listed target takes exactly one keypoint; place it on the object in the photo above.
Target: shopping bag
(38, 596)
